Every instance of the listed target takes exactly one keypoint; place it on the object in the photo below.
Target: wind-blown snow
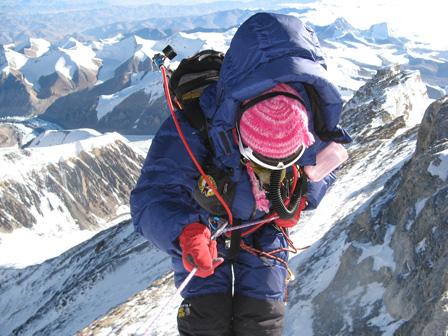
(53, 137)
(82, 56)
(150, 82)
(34, 158)
(37, 48)
(439, 167)
(383, 255)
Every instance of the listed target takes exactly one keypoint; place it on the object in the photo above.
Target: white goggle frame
(248, 153)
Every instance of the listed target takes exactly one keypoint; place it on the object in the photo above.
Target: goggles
(269, 163)
(257, 158)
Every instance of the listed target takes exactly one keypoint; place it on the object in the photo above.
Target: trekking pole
(154, 320)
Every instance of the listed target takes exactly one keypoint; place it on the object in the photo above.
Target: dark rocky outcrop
(16, 97)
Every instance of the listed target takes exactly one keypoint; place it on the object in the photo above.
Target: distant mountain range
(110, 84)
(54, 21)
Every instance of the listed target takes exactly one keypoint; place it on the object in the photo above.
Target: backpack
(188, 82)
(194, 74)
(186, 85)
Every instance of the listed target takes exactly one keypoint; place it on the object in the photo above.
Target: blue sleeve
(317, 190)
(161, 202)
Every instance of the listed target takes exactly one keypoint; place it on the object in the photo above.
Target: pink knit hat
(276, 127)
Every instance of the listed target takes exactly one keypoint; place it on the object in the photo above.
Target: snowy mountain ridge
(363, 190)
(78, 78)
(66, 292)
(65, 184)
(351, 61)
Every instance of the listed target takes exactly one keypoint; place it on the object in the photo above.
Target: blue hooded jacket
(266, 50)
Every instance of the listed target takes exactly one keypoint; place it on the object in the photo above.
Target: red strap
(187, 147)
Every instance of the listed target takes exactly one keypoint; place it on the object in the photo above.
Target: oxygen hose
(275, 196)
(188, 148)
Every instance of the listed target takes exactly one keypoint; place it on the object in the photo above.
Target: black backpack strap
(235, 241)
(193, 113)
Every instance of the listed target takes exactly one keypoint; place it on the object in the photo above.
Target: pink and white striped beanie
(276, 127)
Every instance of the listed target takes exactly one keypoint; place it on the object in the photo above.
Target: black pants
(224, 315)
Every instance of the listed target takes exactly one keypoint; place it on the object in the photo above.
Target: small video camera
(168, 52)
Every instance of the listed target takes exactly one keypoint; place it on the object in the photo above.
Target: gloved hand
(198, 250)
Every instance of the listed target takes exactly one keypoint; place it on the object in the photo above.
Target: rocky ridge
(85, 183)
(382, 267)
(66, 293)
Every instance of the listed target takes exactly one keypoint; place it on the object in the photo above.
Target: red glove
(198, 250)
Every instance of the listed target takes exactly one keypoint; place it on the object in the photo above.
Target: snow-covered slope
(147, 83)
(36, 47)
(331, 294)
(66, 293)
(364, 180)
(65, 186)
(54, 138)
(71, 68)
(13, 59)
(66, 62)
(34, 78)
(380, 269)
(115, 51)
(378, 235)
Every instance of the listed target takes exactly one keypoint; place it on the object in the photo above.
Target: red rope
(188, 148)
(291, 248)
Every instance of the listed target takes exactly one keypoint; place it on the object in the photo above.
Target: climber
(271, 111)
